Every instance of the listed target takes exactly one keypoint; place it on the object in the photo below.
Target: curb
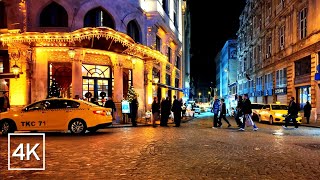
(142, 125)
(309, 125)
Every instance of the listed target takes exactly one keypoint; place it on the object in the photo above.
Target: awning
(167, 86)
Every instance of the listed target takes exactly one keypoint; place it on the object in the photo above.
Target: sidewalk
(312, 124)
(141, 122)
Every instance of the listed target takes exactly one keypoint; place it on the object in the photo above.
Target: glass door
(102, 87)
(87, 86)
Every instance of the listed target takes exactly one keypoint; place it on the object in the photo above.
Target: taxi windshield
(279, 107)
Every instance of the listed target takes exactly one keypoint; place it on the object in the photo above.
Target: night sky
(210, 30)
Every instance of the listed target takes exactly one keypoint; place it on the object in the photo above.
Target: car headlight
(278, 114)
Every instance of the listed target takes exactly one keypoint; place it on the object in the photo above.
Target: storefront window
(303, 66)
(304, 95)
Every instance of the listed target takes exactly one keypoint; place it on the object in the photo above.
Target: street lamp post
(209, 96)
(199, 96)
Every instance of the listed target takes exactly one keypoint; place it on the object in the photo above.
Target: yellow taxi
(56, 114)
(275, 113)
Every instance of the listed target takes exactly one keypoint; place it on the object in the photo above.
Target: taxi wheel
(77, 126)
(7, 126)
(271, 120)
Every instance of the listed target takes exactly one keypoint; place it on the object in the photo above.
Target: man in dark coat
(247, 111)
(223, 113)
(110, 104)
(155, 108)
(307, 111)
(176, 109)
(4, 102)
(163, 110)
(134, 110)
(292, 113)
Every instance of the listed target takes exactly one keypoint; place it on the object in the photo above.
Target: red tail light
(99, 112)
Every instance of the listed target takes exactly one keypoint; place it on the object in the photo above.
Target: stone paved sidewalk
(143, 122)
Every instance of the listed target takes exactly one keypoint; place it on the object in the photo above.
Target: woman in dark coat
(307, 111)
(155, 110)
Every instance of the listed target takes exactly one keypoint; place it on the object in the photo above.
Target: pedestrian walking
(176, 109)
(247, 111)
(223, 112)
(134, 110)
(239, 111)
(4, 102)
(307, 111)
(292, 114)
(216, 111)
(155, 108)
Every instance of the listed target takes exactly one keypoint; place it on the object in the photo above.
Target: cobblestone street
(192, 151)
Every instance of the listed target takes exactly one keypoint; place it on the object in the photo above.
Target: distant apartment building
(226, 70)
(278, 52)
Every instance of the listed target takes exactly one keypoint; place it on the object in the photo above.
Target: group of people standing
(163, 110)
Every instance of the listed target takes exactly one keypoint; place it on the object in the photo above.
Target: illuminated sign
(280, 91)
(125, 106)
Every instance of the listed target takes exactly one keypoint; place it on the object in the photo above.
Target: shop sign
(125, 106)
(280, 91)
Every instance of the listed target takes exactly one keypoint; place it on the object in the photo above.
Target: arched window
(3, 15)
(54, 15)
(133, 31)
(98, 17)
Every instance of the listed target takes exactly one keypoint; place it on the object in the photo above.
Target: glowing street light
(15, 69)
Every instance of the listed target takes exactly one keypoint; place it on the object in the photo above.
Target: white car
(197, 109)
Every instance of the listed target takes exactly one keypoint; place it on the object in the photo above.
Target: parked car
(56, 114)
(197, 109)
(275, 113)
(256, 107)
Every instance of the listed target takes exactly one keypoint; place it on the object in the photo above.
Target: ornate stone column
(138, 84)
(117, 94)
(77, 74)
(163, 78)
(39, 84)
(148, 81)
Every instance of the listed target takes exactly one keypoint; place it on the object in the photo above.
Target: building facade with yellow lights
(91, 48)
(278, 51)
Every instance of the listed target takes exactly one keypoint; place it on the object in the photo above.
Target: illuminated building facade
(100, 47)
(278, 51)
(226, 79)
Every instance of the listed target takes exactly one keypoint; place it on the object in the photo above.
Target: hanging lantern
(71, 53)
(15, 69)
